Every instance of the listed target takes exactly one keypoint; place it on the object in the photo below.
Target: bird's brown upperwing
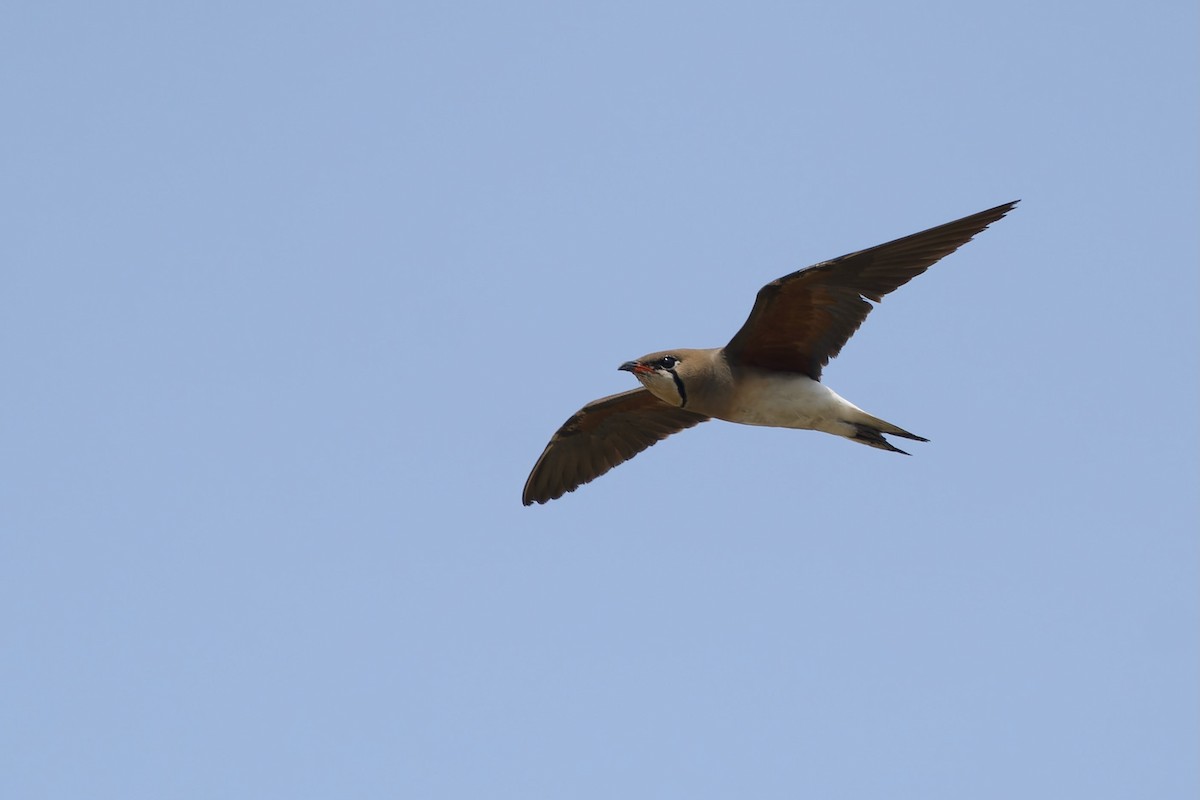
(801, 321)
(598, 437)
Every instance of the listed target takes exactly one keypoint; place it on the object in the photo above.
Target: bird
(768, 374)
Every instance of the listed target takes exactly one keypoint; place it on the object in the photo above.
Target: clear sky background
(294, 294)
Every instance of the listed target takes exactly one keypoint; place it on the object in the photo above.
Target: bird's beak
(636, 367)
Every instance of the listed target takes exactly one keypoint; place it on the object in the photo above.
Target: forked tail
(870, 432)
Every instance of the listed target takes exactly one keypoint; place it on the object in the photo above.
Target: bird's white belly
(790, 401)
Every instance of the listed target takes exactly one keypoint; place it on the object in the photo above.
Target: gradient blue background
(294, 294)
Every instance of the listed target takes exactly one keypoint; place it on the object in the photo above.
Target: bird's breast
(785, 401)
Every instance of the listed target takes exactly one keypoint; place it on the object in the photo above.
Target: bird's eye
(666, 362)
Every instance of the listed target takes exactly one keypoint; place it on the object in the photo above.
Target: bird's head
(663, 374)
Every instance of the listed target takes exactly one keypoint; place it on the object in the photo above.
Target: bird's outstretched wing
(801, 321)
(598, 437)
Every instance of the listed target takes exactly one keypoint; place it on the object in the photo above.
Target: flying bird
(768, 374)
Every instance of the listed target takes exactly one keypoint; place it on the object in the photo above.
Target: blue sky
(295, 293)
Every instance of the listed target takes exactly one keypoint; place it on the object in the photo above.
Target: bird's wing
(801, 321)
(598, 437)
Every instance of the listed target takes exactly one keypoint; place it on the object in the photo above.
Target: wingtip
(1000, 210)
